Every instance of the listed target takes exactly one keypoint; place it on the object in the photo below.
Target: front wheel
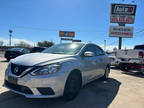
(106, 74)
(72, 86)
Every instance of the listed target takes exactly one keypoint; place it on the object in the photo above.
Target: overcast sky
(39, 20)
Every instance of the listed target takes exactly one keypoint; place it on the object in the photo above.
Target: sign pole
(104, 45)
(120, 38)
(120, 42)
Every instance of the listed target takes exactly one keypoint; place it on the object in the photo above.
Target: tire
(8, 59)
(106, 74)
(72, 86)
(123, 67)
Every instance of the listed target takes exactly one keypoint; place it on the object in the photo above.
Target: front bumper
(46, 86)
(9, 56)
(116, 63)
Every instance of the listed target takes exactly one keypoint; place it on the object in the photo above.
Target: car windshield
(65, 48)
(15, 49)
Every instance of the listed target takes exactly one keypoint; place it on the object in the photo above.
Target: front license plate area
(12, 79)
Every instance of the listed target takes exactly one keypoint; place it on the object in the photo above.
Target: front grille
(18, 88)
(20, 69)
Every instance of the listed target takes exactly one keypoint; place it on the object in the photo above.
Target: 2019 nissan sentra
(60, 70)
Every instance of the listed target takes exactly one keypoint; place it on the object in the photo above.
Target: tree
(45, 44)
(1, 43)
(23, 44)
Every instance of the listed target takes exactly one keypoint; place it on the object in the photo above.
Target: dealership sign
(76, 40)
(123, 13)
(66, 34)
(69, 39)
(121, 31)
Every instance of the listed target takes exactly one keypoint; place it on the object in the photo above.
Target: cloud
(16, 41)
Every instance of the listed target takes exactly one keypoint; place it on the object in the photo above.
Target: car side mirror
(88, 54)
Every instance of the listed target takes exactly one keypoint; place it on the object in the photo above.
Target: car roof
(16, 48)
(80, 43)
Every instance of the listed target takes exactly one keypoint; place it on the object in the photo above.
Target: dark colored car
(15, 52)
(37, 49)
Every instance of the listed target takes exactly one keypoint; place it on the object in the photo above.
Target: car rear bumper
(133, 66)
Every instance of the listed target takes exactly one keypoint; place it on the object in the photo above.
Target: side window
(99, 51)
(90, 48)
(26, 51)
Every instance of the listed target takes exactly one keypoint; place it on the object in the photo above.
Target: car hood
(38, 58)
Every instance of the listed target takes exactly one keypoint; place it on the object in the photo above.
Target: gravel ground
(122, 90)
(2, 54)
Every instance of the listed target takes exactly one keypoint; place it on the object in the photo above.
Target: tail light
(141, 54)
(111, 59)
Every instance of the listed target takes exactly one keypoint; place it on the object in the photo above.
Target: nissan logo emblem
(16, 70)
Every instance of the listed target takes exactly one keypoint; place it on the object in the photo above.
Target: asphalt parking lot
(122, 90)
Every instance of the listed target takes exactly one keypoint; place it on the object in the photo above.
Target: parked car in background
(132, 59)
(37, 49)
(60, 70)
(15, 52)
(113, 59)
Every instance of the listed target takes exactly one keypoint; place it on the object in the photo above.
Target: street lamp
(104, 45)
(10, 31)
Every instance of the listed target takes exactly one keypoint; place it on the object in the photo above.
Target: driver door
(90, 64)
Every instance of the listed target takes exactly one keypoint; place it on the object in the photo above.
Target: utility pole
(104, 45)
(10, 31)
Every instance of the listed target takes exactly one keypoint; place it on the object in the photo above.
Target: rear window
(139, 47)
(37, 49)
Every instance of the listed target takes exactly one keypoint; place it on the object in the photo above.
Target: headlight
(48, 69)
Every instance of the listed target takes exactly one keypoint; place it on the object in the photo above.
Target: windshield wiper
(58, 53)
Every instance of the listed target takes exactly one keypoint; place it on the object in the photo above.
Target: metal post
(104, 45)
(120, 42)
(10, 40)
(10, 31)
(120, 38)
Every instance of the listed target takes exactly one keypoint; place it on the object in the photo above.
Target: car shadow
(135, 74)
(98, 94)
(115, 68)
(4, 61)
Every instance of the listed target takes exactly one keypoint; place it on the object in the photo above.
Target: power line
(46, 29)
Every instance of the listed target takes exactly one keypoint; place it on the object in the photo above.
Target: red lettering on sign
(124, 20)
(121, 33)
